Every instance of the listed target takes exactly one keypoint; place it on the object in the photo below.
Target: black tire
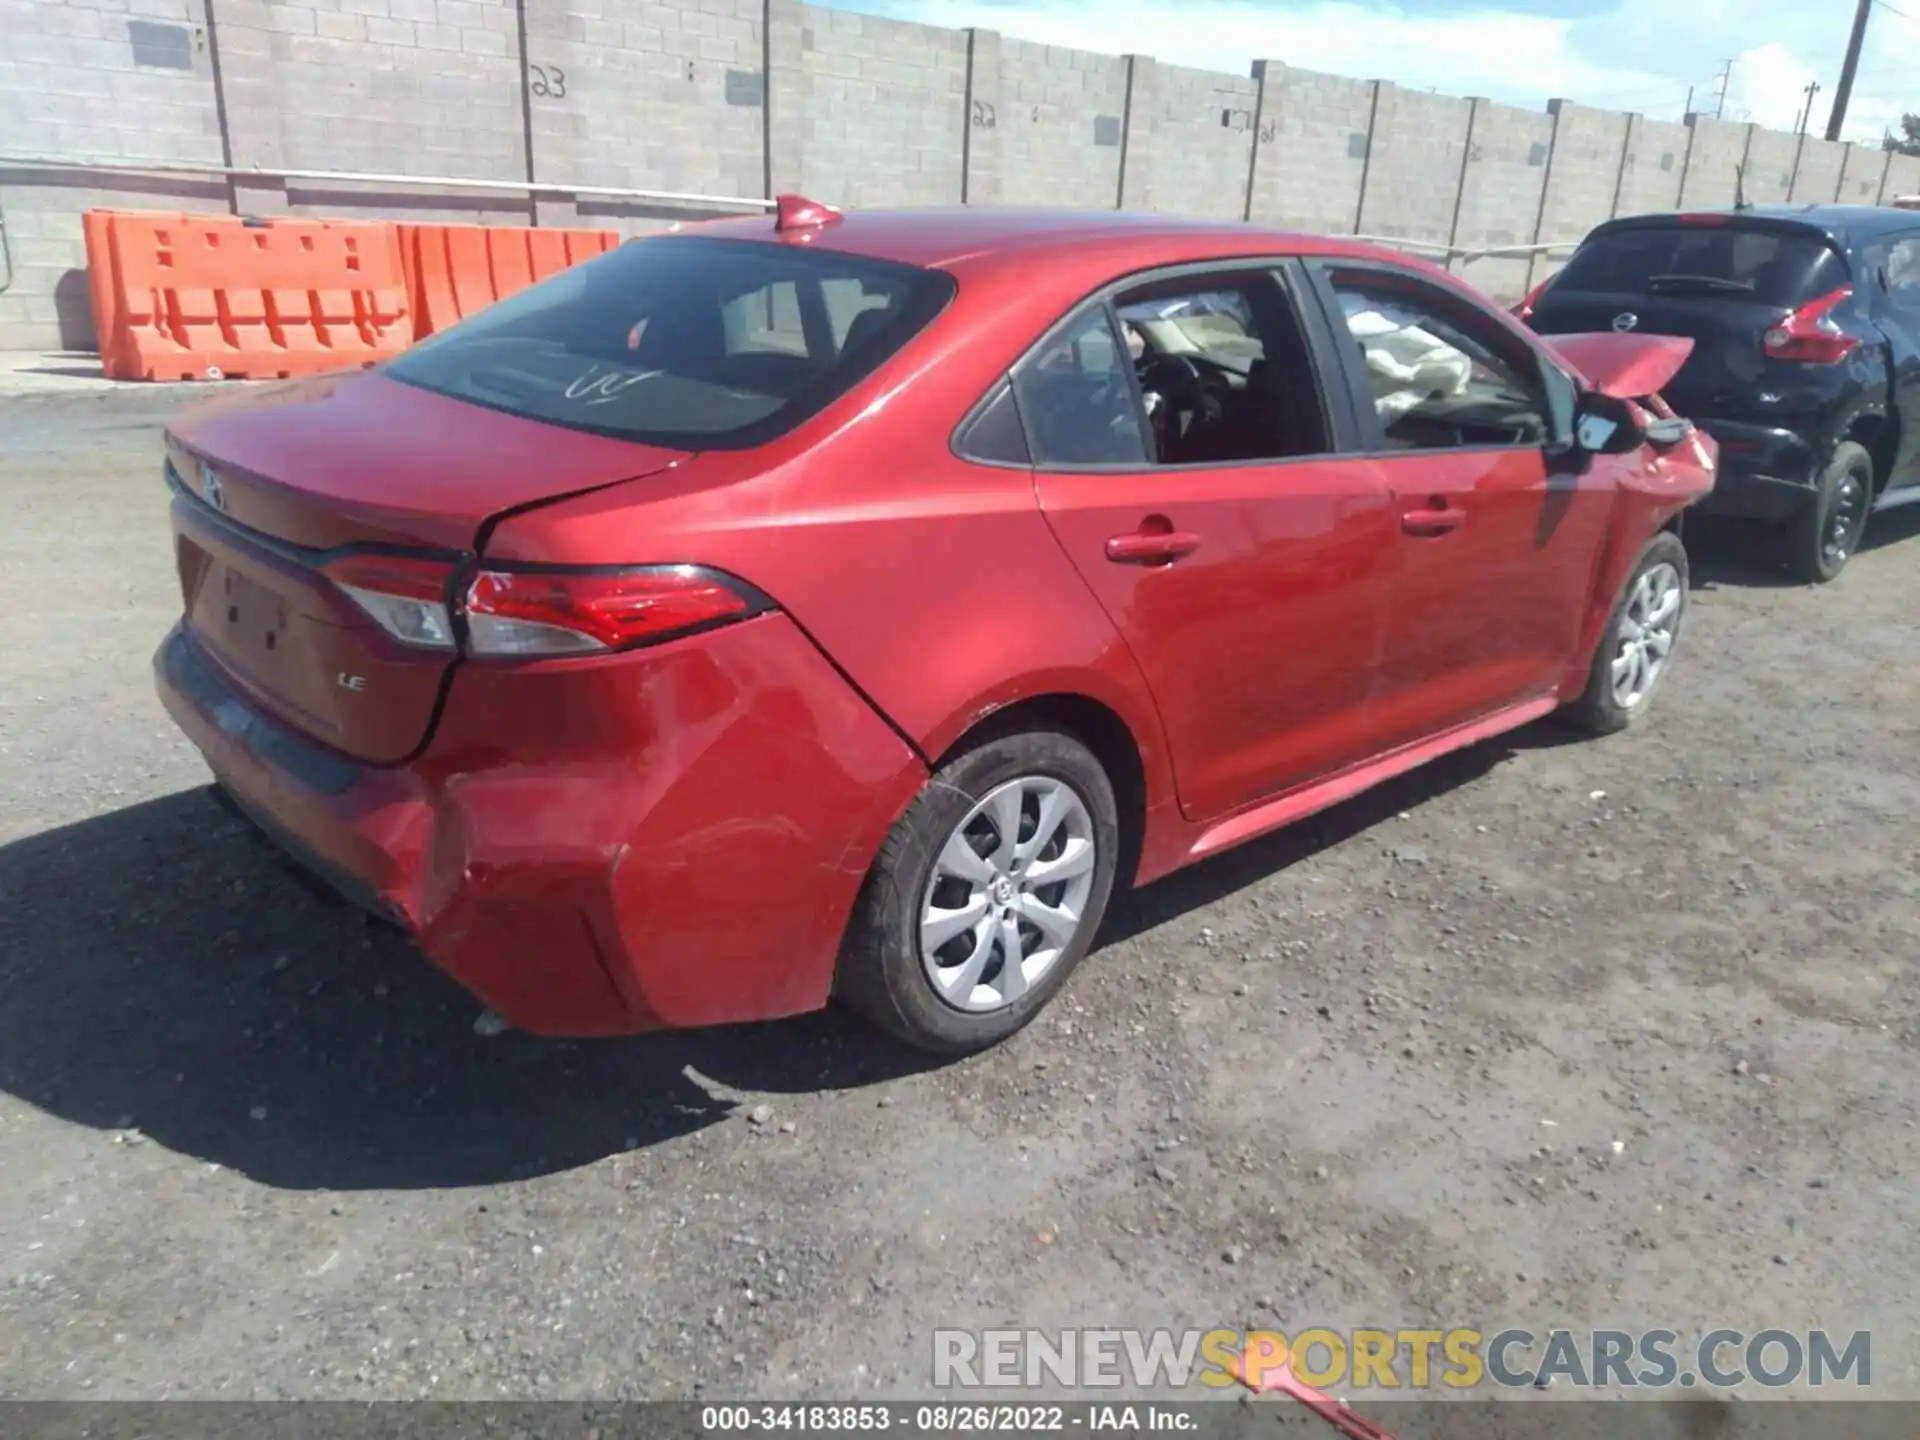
(1599, 710)
(1825, 535)
(880, 970)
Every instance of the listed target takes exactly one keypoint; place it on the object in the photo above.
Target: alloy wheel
(1648, 626)
(1008, 894)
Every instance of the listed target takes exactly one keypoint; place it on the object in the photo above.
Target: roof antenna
(1740, 186)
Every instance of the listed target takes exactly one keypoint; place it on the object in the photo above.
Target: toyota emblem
(210, 487)
(1625, 321)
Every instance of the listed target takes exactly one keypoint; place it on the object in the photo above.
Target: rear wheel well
(1881, 436)
(1103, 732)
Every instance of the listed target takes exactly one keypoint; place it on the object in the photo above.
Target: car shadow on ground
(1739, 553)
(164, 970)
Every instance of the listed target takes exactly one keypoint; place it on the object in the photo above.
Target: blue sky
(1624, 54)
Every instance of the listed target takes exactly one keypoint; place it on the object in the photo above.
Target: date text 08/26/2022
(940, 1419)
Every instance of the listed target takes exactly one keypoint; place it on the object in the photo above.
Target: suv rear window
(686, 342)
(1775, 267)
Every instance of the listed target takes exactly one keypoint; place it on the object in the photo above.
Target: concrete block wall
(1902, 177)
(751, 98)
(421, 87)
(883, 110)
(1189, 140)
(1655, 164)
(105, 80)
(1502, 188)
(1772, 156)
(1310, 161)
(1060, 124)
(1718, 150)
(642, 95)
(1816, 176)
(1585, 160)
(1414, 165)
(1864, 176)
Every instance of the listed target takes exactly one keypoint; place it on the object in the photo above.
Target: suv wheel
(986, 895)
(1824, 538)
(1637, 645)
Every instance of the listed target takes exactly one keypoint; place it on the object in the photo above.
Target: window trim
(957, 445)
(1360, 388)
(1286, 273)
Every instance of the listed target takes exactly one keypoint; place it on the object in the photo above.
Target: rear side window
(1774, 267)
(1077, 399)
(681, 341)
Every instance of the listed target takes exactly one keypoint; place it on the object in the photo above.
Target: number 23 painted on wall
(549, 82)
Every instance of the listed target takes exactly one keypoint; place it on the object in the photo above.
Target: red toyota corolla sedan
(822, 605)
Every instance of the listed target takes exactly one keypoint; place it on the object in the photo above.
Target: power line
(1892, 11)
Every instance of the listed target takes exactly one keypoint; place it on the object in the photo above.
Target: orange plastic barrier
(209, 297)
(455, 270)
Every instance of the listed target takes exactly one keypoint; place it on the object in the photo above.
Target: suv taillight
(1811, 335)
(547, 610)
(1523, 312)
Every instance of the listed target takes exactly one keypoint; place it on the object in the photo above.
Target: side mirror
(1604, 425)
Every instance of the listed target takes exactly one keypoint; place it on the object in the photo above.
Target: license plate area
(254, 617)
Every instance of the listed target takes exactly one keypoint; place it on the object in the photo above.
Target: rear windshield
(1774, 267)
(692, 343)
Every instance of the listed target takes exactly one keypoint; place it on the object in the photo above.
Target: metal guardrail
(672, 197)
(359, 177)
(1467, 252)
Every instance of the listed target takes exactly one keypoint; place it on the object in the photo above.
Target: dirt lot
(1366, 1073)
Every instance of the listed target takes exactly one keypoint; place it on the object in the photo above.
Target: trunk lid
(273, 485)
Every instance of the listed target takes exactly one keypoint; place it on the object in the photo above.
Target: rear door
(1182, 448)
(1723, 280)
(1496, 544)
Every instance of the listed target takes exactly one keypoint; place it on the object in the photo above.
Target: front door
(1180, 439)
(1498, 544)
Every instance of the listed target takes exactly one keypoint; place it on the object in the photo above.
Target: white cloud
(1641, 55)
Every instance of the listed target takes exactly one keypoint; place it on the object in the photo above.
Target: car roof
(977, 237)
(1842, 224)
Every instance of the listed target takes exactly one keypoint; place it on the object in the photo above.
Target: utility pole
(1689, 110)
(1806, 115)
(1844, 92)
(1726, 79)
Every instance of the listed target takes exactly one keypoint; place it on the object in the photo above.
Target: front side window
(684, 341)
(1440, 377)
(1224, 371)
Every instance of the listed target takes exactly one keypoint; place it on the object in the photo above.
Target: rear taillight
(1523, 312)
(583, 612)
(543, 611)
(405, 596)
(1811, 335)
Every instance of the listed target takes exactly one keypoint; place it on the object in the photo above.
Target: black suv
(1806, 366)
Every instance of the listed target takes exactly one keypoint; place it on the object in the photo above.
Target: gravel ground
(1369, 1072)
